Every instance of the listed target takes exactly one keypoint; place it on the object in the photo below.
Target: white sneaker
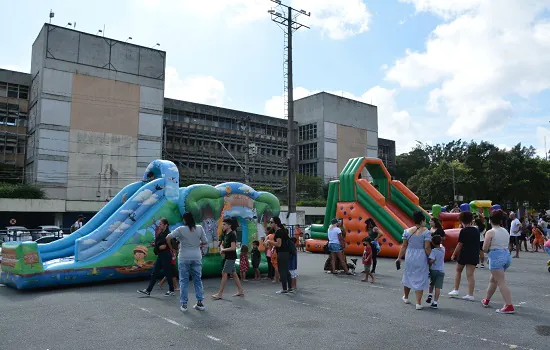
(405, 300)
(419, 307)
(454, 293)
(468, 297)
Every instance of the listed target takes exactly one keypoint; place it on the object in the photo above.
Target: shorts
(229, 266)
(437, 278)
(255, 264)
(499, 259)
(514, 239)
(334, 247)
(481, 245)
(293, 273)
(366, 267)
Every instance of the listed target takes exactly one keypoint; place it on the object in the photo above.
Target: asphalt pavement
(327, 312)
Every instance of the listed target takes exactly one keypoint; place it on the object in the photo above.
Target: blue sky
(438, 70)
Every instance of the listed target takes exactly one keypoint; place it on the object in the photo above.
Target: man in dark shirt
(164, 261)
(229, 253)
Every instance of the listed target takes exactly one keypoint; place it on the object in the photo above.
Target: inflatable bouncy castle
(117, 242)
(354, 199)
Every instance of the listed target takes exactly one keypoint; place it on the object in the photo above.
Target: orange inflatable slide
(354, 199)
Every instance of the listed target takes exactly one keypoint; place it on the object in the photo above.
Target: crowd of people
(480, 242)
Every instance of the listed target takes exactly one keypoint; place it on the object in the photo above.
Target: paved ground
(329, 312)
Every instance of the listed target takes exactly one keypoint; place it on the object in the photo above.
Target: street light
(246, 175)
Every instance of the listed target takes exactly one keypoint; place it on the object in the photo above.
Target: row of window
(229, 146)
(308, 169)
(8, 149)
(14, 90)
(307, 132)
(223, 122)
(204, 167)
(307, 151)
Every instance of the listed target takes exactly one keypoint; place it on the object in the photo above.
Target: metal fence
(31, 234)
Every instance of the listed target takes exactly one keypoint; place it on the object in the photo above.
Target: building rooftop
(332, 95)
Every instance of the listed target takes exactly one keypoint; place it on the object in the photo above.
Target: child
(367, 260)
(302, 243)
(243, 263)
(293, 262)
(256, 257)
(539, 240)
(437, 271)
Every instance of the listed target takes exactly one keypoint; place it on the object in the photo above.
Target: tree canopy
(512, 178)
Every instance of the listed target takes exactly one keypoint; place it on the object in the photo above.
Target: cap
(333, 221)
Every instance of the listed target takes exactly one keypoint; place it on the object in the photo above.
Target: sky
(438, 70)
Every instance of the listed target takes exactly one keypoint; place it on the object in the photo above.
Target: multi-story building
(333, 129)
(14, 96)
(386, 152)
(95, 113)
(203, 140)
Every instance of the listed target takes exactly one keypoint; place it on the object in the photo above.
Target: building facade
(202, 141)
(333, 129)
(95, 113)
(14, 106)
(386, 152)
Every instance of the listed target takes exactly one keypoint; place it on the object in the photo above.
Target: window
(307, 132)
(307, 151)
(13, 91)
(308, 169)
(23, 92)
(3, 89)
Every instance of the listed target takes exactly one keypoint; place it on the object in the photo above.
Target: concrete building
(202, 140)
(95, 113)
(333, 129)
(14, 96)
(386, 152)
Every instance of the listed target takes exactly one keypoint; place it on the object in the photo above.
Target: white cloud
(126, 211)
(338, 19)
(151, 200)
(393, 123)
(114, 226)
(542, 141)
(485, 53)
(89, 241)
(198, 88)
(143, 195)
(173, 168)
(122, 227)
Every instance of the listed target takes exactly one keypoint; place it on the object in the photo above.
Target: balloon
(464, 207)
(496, 207)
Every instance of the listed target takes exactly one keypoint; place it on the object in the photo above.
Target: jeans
(193, 267)
(164, 262)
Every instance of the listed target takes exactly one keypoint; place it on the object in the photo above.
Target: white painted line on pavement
(213, 338)
(172, 322)
(511, 346)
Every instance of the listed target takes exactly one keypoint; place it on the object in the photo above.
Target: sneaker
(405, 300)
(454, 293)
(419, 307)
(477, 266)
(169, 294)
(291, 290)
(482, 266)
(199, 306)
(284, 291)
(429, 299)
(144, 292)
(434, 305)
(507, 309)
(468, 297)
(183, 307)
(485, 302)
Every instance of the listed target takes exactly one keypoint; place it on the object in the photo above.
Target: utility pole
(247, 152)
(289, 25)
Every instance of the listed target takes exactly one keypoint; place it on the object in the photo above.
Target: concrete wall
(97, 107)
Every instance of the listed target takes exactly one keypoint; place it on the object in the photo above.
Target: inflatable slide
(354, 199)
(117, 242)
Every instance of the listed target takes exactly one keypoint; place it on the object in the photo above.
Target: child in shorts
(437, 271)
(293, 263)
(367, 260)
(256, 257)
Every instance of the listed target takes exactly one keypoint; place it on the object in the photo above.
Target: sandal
(238, 295)
(216, 297)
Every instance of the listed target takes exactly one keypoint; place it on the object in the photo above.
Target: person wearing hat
(336, 246)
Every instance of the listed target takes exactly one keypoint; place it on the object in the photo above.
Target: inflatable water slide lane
(117, 242)
(390, 204)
